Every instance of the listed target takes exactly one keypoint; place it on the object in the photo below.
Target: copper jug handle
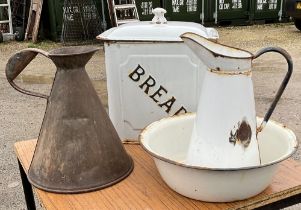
(283, 85)
(17, 63)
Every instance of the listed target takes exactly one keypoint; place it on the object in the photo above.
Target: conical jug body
(78, 149)
(225, 130)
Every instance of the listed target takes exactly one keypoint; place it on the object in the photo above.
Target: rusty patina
(78, 148)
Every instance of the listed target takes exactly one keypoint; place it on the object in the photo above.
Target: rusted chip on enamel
(242, 134)
(231, 73)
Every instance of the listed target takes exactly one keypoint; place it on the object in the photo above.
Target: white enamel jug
(225, 130)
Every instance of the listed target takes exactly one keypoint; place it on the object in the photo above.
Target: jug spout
(216, 56)
(72, 57)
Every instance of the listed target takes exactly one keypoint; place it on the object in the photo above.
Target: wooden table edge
(259, 200)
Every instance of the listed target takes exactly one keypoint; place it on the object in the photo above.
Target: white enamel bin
(151, 73)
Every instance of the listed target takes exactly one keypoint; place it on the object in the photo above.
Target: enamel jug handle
(283, 84)
(17, 63)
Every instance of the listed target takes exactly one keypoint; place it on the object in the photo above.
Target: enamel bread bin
(151, 73)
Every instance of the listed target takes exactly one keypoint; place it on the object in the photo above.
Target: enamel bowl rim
(176, 117)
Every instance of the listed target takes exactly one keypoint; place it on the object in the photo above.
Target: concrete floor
(21, 115)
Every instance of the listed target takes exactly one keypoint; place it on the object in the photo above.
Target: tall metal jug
(78, 148)
(225, 130)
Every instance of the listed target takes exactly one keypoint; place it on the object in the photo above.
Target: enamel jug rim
(189, 35)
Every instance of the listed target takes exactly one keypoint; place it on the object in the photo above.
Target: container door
(184, 10)
(266, 9)
(230, 11)
(145, 8)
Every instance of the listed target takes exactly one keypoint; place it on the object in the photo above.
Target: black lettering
(180, 111)
(168, 104)
(136, 74)
(149, 82)
(158, 93)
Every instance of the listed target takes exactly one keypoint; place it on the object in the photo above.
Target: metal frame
(281, 10)
(103, 23)
(130, 4)
(9, 21)
(19, 18)
(27, 188)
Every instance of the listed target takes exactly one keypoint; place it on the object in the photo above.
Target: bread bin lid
(157, 30)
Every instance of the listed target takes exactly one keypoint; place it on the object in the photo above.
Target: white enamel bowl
(167, 142)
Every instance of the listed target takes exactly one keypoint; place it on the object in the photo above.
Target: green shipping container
(234, 12)
(266, 9)
(184, 10)
(55, 18)
(230, 10)
(207, 11)
(145, 8)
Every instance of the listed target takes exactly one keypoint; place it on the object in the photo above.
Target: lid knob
(159, 16)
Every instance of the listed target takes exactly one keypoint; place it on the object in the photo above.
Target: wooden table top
(144, 188)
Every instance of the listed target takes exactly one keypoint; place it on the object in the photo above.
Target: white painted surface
(226, 100)
(167, 141)
(167, 60)
(147, 31)
(159, 16)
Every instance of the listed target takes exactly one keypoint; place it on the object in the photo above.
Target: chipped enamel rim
(158, 156)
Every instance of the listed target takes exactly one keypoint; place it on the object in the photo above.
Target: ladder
(125, 12)
(9, 30)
